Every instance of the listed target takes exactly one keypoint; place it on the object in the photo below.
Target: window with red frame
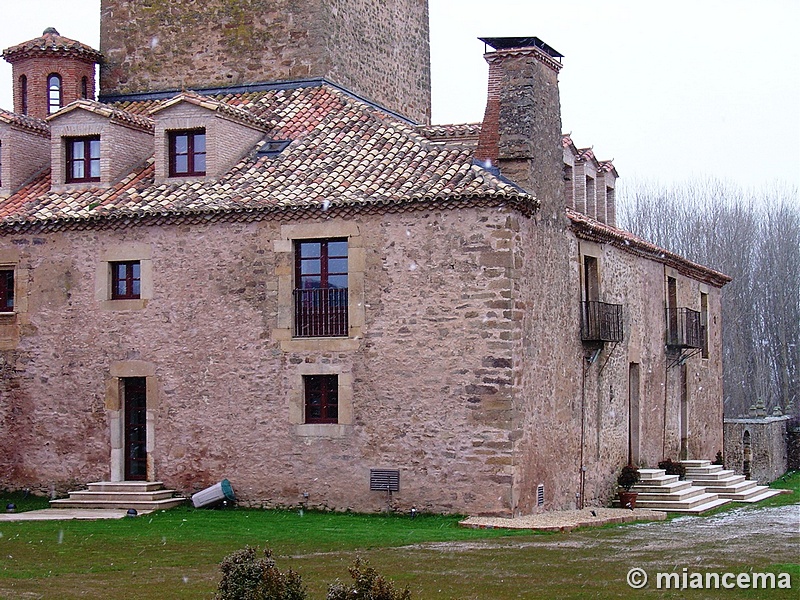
(322, 398)
(83, 159)
(6, 290)
(126, 280)
(187, 153)
(320, 294)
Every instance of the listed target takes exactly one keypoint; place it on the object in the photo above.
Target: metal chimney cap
(508, 43)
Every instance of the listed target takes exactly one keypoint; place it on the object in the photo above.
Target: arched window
(23, 94)
(84, 87)
(53, 93)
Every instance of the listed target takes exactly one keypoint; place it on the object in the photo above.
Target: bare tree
(754, 237)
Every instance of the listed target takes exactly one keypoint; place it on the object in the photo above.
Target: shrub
(247, 577)
(628, 478)
(673, 468)
(718, 460)
(369, 585)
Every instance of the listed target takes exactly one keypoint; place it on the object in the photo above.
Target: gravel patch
(566, 520)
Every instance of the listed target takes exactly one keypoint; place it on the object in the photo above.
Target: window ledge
(329, 344)
(139, 304)
(323, 430)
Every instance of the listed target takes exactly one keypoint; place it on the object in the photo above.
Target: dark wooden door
(135, 391)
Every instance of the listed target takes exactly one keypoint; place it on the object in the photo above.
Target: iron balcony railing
(684, 329)
(601, 322)
(320, 312)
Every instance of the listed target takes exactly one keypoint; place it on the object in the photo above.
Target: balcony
(684, 329)
(320, 312)
(601, 322)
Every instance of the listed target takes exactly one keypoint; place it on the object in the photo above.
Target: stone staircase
(725, 483)
(141, 495)
(659, 491)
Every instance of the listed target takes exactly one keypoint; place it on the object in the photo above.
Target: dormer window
(83, 159)
(53, 93)
(187, 153)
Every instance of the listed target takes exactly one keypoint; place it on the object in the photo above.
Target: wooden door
(135, 391)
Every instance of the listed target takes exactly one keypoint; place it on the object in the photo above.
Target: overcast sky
(668, 90)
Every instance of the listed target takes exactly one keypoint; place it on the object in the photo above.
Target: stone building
(760, 446)
(291, 280)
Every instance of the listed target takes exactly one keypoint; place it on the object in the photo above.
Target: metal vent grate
(540, 495)
(384, 480)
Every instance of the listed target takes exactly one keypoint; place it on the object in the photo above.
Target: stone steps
(659, 491)
(702, 504)
(123, 495)
(725, 483)
(125, 486)
(651, 488)
(726, 486)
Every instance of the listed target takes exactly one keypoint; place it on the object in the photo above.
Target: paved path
(67, 514)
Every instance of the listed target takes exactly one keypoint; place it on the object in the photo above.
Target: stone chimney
(50, 72)
(521, 132)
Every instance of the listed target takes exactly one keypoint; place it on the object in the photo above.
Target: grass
(790, 481)
(23, 501)
(175, 555)
(184, 546)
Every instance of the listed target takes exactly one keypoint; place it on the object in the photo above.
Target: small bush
(628, 477)
(673, 468)
(719, 460)
(247, 577)
(369, 585)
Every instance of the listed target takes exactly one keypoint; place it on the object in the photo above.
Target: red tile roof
(31, 124)
(229, 111)
(590, 229)
(344, 155)
(110, 112)
(51, 41)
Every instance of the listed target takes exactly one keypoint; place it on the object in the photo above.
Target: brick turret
(50, 72)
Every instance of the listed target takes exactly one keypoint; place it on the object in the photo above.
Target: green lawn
(175, 554)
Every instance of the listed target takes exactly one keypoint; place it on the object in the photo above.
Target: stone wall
(430, 377)
(768, 446)
(379, 50)
(793, 446)
(570, 418)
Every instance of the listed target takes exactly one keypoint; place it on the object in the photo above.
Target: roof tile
(343, 154)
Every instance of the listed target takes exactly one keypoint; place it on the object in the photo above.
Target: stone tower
(378, 49)
(49, 72)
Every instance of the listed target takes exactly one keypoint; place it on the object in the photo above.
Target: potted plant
(628, 478)
(673, 468)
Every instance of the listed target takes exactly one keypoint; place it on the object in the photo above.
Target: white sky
(668, 90)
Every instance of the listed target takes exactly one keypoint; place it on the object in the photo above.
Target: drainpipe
(582, 474)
